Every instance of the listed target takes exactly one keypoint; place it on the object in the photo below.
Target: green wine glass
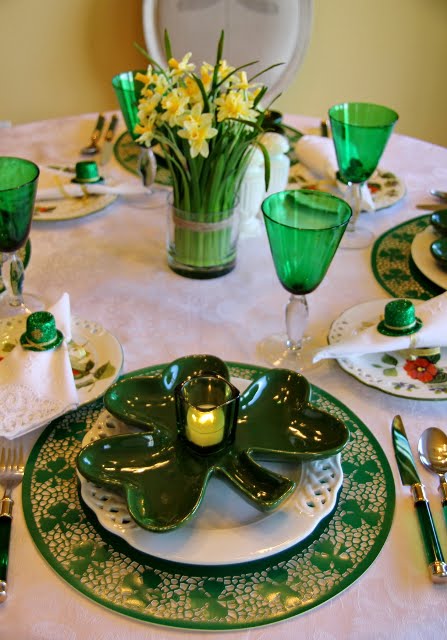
(128, 90)
(18, 186)
(360, 132)
(304, 228)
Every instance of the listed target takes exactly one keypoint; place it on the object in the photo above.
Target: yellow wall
(57, 58)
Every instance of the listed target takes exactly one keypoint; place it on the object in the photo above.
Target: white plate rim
(80, 207)
(275, 532)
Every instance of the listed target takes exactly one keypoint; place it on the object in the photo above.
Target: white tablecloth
(113, 264)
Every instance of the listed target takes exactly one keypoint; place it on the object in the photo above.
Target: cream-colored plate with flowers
(386, 188)
(96, 356)
(394, 373)
(71, 208)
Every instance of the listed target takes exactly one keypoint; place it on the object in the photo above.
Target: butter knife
(409, 476)
(107, 146)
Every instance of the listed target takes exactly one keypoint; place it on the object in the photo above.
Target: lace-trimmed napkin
(433, 333)
(37, 386)
(317, 156)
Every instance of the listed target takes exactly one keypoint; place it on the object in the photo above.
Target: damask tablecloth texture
(113, 265)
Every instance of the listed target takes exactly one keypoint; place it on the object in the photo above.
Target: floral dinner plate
(393, 373)
(96, 355)
(226, 529)
(71, 208)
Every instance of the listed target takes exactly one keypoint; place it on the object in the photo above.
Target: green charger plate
(110, 572)
(393, 266)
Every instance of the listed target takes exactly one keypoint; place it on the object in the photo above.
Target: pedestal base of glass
(359, 238)
(12, 307)
(153, 199)
(275, 352)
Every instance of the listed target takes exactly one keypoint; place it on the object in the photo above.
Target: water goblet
(18, 186)
(360, 132)
(127, 90)
(304, 228)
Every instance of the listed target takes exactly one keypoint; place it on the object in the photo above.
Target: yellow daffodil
(198, 129)
(146, 129)
(240, 81)
(174, 103)
(182, 67)
(235, 104)
(192, 90)
(206, 75)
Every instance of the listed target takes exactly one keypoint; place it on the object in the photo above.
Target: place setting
(204, 558)
(403, 263)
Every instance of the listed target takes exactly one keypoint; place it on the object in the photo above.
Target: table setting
(172, 465)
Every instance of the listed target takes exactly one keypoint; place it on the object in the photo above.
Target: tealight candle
(205, 425)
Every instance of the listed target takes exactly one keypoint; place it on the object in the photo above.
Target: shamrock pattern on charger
(105, 569)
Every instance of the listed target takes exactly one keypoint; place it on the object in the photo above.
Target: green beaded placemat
(107, 570)
(393, 266)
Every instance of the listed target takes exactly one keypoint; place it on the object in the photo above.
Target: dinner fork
(11, 474)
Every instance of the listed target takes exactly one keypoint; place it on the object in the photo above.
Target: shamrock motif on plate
(164, 478)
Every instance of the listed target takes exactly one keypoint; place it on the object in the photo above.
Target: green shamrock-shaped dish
(164, 479)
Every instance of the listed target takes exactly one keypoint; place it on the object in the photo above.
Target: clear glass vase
(202, 245)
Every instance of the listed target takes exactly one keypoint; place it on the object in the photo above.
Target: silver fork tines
(12, 468)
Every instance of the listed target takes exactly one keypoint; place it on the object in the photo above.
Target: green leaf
(104, 371)
(168, 49)
(387, 359)
(390, 372)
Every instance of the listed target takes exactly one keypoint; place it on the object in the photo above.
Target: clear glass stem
(297, 313)
(356, 204)
(147, 166)
(13, 273)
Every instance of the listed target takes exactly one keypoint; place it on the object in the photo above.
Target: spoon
(439, 194)
(432, 450)
(92, 147)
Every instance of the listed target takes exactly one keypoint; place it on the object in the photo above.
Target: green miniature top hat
(87, 172)
(400, 319)
(41, 333)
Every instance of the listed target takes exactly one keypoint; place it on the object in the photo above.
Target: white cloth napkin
(74, 190)
(433, 333)
(318, 156)
(37, 386)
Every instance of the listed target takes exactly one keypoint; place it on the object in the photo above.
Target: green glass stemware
(360, 131)
(127, 90)
(304, 228)
(18, 187)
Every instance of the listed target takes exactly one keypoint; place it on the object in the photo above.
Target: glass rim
(22, 161)
(390, 110)
(309, 192)
(119, 75)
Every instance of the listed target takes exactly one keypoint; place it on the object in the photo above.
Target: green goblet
(18, 186)
(128, 90)
(360, 131)
(304, 228)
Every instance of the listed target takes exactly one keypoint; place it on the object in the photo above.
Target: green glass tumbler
(18, 187)
(304, 228)
(360, 131)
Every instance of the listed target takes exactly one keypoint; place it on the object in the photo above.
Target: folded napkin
(433, 333)
(74, 190)
(37, 386)
(318, 156)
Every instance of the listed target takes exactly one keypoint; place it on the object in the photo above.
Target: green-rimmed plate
(107, 570)
(393, 266)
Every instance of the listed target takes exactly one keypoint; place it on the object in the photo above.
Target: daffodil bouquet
(206, 122)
